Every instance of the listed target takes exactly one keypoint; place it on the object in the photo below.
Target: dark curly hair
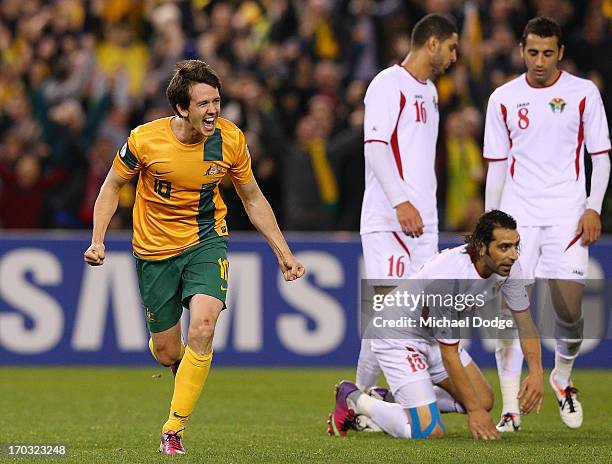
(483, 233)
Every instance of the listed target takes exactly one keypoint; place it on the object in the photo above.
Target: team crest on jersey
(214, 169)
(557, 105)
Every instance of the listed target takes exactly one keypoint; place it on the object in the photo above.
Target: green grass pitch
(254, 416)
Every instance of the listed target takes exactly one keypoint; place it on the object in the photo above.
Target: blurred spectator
(465, 171)
(23, 192)
(311, 188)
(76, 76)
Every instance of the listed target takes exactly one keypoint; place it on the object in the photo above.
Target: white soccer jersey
(452, 272)
(401, 112)
(542, 132)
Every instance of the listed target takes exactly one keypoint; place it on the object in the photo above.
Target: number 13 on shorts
(415, 360)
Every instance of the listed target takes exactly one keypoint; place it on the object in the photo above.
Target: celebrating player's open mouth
(209, 124)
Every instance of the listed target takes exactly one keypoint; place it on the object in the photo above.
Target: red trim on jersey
(376, 140)
(600, 152)
(574, 240)
(494, 159)
(546, 86)
(447, 344)
(402, 244)
(504, 111)
(580, 136)
(520, 310)
(394, 143)
(512, 167)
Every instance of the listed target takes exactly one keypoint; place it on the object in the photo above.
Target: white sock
(563, 370)
(446, 402)
(390, 417)
(368, 369)
(509, 357)
(510, 387)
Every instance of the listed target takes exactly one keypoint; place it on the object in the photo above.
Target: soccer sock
(563, 370)
(568, 341)
(368, 369)
(152, 349)
(390, 417)
(509, 357)
(188, 384)
(446, 402)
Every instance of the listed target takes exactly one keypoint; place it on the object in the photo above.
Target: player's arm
(597, 142)
(104, 208)
(496, 178)
(479, 420)
(590, 222)
(532, 388)
(262, 217)
(381, 162)
(496, 151)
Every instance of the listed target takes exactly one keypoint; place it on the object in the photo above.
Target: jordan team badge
(557, 105)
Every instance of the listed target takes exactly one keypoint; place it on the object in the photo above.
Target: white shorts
(411, 367)
(553, 252)
(394, 255)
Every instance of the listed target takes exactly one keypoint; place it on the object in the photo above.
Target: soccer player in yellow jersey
(180, 234)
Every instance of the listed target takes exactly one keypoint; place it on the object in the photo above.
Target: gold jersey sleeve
(178, 203)
(126, 162)
(241, 167)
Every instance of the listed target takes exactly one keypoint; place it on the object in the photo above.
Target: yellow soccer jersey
(178, 204)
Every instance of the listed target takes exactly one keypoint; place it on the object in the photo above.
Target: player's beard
(438, 66)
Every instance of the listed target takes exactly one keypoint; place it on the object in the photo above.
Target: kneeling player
(486, 265)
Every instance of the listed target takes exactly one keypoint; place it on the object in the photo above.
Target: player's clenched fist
(94, 255)
(291, 268)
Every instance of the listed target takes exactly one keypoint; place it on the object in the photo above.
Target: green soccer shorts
(167, 285)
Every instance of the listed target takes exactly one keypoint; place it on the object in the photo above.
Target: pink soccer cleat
(171, 443)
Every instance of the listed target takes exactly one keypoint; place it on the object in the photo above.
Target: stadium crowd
(76, 76)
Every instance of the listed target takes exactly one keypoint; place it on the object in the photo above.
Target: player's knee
(202, 330)
(167, 354)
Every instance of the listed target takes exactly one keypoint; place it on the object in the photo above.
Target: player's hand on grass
(94, 255)
(481, 425)
(410, 219)
(589, 227)
(291, 268)
(532, 394)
